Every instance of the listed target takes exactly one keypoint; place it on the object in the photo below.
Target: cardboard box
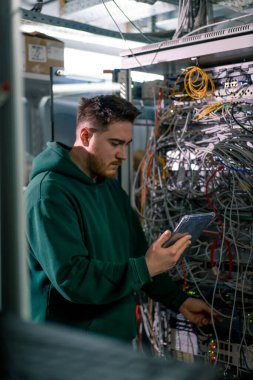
(40, 52)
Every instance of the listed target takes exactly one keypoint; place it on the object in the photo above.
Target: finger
(183, 242)
(210, 312)
(218, 317)
(164, 237)
(180, 251)
(205, 321)
(184, 247)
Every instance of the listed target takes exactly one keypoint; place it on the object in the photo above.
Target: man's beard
(99, 169)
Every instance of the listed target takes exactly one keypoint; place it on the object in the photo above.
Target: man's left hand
(197, 311)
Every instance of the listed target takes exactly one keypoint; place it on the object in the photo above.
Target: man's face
(107, 149)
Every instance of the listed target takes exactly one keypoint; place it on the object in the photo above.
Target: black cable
(37, 7)
(122, 36)
(132, 23)
(237, 121)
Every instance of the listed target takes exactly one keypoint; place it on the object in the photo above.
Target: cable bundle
(197, 83)
(202, 159)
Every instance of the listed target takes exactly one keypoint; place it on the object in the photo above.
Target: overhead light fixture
(66, 34)
(141, 76)
(75, 88)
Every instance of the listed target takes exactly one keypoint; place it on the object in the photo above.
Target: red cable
(184, 276)
(158, 109)
(208, 198)
(216, 241)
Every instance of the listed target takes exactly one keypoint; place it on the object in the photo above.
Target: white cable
(217, 23)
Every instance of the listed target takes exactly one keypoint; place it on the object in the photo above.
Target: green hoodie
(86, 250)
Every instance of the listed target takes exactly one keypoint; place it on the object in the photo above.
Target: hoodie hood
(56, 158)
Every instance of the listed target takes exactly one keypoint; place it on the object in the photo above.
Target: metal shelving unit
(207, 49)
(36, 17)
(13, 278)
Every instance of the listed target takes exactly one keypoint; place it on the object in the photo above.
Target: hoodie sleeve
(55, 240)
(162, 288)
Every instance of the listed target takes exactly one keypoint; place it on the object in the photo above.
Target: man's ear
(85, 135)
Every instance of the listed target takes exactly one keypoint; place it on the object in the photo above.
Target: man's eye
(114, 143)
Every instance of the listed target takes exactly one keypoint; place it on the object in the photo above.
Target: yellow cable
(208, 110)
(196, 83)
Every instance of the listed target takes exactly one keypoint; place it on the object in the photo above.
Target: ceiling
(149, 20)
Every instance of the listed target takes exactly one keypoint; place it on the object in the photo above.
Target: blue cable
(247, 171)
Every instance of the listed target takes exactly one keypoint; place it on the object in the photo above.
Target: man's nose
(122, 153)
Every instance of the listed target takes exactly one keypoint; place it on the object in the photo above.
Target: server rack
(200, 158)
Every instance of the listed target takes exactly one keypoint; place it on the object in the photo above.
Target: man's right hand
(161, 259)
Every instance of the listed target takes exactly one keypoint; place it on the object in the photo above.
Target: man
(88, 255)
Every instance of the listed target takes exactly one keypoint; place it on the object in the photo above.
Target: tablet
(192, 224)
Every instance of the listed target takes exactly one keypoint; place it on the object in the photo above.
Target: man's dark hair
(105, 109)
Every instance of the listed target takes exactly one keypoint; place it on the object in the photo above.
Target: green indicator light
(191, 292)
